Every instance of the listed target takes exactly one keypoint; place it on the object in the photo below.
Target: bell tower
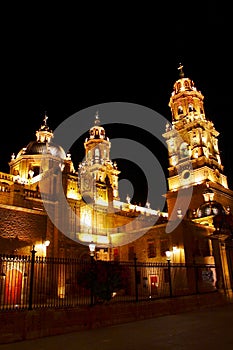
(192, 141)
(97, 173)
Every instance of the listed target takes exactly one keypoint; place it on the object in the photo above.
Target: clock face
(186, 175)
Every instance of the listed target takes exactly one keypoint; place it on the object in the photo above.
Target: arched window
(184, 150)
(36, 170)
(190, 107)
(178, 87)
(97, 153)
(180, 110)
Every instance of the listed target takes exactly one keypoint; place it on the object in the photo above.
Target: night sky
(63, 59)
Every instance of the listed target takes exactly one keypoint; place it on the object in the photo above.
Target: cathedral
(47, 204)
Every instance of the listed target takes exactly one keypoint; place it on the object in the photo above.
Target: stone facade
(33, 211)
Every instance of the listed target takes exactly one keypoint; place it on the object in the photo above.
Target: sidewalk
(210, 328)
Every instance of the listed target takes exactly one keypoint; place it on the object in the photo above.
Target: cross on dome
(97, 120)
(45, 118)
(180, 68)
(44, 125)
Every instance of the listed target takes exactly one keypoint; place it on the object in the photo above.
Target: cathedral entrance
(13, 287)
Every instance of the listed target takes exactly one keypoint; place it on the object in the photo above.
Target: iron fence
(30, 282)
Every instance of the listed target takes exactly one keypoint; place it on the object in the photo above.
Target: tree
(105, 277)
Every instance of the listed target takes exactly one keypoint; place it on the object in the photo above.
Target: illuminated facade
(97, 213)
(92, 210)
(98, 168)
(195, 162)
(195, 171)
(197, 139)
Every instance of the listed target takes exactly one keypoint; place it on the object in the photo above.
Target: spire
(97, 120)
(97, 131)
(44, 134)
(44, 126)
(181, 72)
(45, 118)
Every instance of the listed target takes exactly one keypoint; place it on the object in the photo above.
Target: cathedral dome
(38, 147)
(43, 144)
(210, 208)
(184, 85)
(97, 131)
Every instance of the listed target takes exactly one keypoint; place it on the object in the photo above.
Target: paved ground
(205, 329)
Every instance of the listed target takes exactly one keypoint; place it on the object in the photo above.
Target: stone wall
(20, 229)
(20, 325)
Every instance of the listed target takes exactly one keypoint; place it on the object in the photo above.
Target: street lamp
(46, 243)
(92, 249)
(33, 251)
(168, 255)
(92, 254)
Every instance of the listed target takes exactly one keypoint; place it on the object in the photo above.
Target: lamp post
(92, 254)
(33, 251)
(92, 250)
(136, 276)
(168, 255)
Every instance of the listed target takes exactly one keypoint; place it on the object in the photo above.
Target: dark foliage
(105, 278)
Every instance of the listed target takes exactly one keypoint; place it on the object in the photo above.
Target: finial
(45, 118)
(181, 73)
(44, 125)
(97, 120)
(128, 199)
